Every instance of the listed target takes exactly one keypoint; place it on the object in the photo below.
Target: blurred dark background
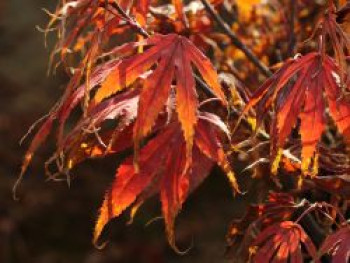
(52, 222)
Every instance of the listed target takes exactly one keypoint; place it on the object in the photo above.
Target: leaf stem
(292, 39)
(130, 20)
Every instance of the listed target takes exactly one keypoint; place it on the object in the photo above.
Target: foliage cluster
(182, 86)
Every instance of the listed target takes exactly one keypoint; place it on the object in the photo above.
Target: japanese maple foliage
(182, 86)
(282, 242)
(136, 111)
(301, 88)
(163, 169)
(174, 55)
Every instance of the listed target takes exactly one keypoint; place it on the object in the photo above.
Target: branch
(206, 89)
(314, 230)
(292, 39)
(235, 40)
(252, 58)
(130, 20)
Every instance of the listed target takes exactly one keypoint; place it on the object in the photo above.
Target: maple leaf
(173, 55)
(334, 170)
(329, 29)
(334, 176)
(301, 88)
(107, 142)
(38, 139)
(81, 143)
(163, 169)
(86, 26)
(337, 245)
(62, 111)
(241, 234)
(121, 108)
(282, 242)
(73, 17)
(106, 74)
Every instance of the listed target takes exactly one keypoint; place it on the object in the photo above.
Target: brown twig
(235, 40)
(292, 38)
(130, 20)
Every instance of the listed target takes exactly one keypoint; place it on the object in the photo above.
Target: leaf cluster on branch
(182, 86)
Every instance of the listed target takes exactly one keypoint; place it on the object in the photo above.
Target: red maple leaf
(282, 242)
(329, 30)
(78, 143)
(99, 15)
(337, 245)
(162, 160)
(278, 207)
(163, 169)
(115, 75)
(62, 111)
(301, 88)
(173, 55)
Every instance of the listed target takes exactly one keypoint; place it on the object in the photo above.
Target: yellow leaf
(245, 7)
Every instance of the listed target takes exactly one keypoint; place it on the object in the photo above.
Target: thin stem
(292, 39)
(129, 20)
(306, 211)
(235, 40)
(208, 91)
